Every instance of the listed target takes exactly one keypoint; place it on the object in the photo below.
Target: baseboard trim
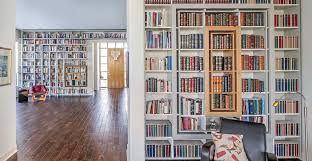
(8, 154)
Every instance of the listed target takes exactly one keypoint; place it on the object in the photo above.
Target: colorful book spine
(191, 19)
(191, 124)
(221, 19)
(156, 18)
(252, 85)
(222, 83)
(158, 130)
(192, 85)
(158, 39)
(224, 41)
(285, 128)
(255, 119)
(157, 63)
(222, 63)
(286, 85)
(287, 106)
(189, 106)
(187, 1)
(222, 101)
(253, 106)
(286, 64)
(187, 151)
(191, 41)
(252, 41)
(252, 62)
(286, 149)
(286, 42)
(158, 151)
(157, 85)
(285, 2)
(191, 63)
(252, 19)
(162, 106)
(286, 20)
(255, 1)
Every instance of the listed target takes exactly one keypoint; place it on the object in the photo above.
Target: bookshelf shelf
(287, 49)
(158, 71)
(285, 28)
(286, 137)
(286, 71)
(157, 49)
(254, 71)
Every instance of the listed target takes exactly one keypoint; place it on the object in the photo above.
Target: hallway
(74, 128)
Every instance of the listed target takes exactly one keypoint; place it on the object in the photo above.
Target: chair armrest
(207, 151)
(271, 157)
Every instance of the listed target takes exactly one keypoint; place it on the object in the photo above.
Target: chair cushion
(228, 147)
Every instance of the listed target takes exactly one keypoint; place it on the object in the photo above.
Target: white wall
(71, 14)
(306, 14)
(7, 93)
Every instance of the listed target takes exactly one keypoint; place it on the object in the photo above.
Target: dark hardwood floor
(73, 128)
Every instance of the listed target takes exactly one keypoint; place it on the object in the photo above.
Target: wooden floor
(73, 128)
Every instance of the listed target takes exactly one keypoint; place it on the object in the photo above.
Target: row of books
(253, 106)
(187, 1)
(286, 20)
(66, 55)
(286, 85)
(286, 63)
(191, 63)
(76, 62)
(221, 1)
(157, 1)
(192, 85)
(63, 41)
(287, 106)
(158, 130)
(156, 18)
(222, 41)
(255, 119)
(252, 62)
(191, 19)
(28, 63)
(190, 106)
(221, 19)
(75, 69)
(158, 39)
(286, 149)
(285, 2)
(207, 1)
(222, 102)
(252, 19)
(252, 85)
(191, 124)
(255, 1)
(192, 41)
(162, 106)
(286, 42)
(156, 63)
(157, 85)
(75, 83)
(157, 150)
(222, 83)
(187, 151)
(286, 129)
(222, 63)
(28, 70)
(252, 41)
(75, 35)
(75, 76)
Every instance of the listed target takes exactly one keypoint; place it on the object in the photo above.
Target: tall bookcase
(59, 60)
(190, 36)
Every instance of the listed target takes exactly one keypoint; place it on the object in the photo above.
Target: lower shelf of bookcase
(288, 157)
(158, 138)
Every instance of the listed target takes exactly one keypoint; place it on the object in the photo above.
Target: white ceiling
(71, 14)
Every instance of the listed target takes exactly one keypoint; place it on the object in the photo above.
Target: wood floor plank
(73, 128)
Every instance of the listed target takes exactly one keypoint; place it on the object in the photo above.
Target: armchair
(39, 92)
(254, 140)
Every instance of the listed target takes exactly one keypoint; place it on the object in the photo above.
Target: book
(222, 41)
(158, 63)
(255, 1)
(187, 150)
(287, 63)
(192, 123)
(252, 19)
(222, 63)
(285, 2)
(192, 41)
(286, 149)
(158, 39)
(222, 102)
(253, 106)
(252, 62)
(221, 19)
(157, 85)
(286, 42)
(156, 18)
(286, 128)
(192, 85)
(286, 85)
(287, 107)
(191, 19)
(155, 129)
(157, 150)
(187, 1)
(250, 41)
(191, 63)
(252, 85)
(190, 106)
(255, 119)
(222, 83)
(161, 106)
(286, 20)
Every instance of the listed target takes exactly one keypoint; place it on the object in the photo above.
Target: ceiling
(71, 14)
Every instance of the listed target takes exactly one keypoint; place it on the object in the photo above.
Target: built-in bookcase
(226, 58)
(59, 60)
